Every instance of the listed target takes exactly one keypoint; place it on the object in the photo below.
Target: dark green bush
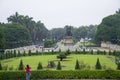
(76, 74)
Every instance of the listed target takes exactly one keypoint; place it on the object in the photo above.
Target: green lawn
(68, 63)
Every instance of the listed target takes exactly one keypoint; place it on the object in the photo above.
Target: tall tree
(37, 30)
(2, 41)
(109, 30)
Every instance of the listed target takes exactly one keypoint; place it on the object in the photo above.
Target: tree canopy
(15, 35)
(109, 30)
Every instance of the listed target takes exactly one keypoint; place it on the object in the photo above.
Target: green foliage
(51, 64)
(77, 66)
(109, 30)
(76, 51)
(68, 52)
(39, 66)
(49, 43)
(2, 40)
(60, 74)
(84, 52)
(15, 35)
(59, 50)
(98, 65)
(59, 66)
(14, 53)
(77, 33)
(37, 30)
(118, 66)
(21, 66)
(29, 53)
(98, 51)
(61, 56)
(0, 66)
(91, 51)
(110, 53)
(104, 52)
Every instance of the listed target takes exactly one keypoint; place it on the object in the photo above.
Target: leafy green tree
(114, 52)
(14, 53)
(39, 66)
(104, 52)
(118, 12)
(29, 53)
(24, 53)
(19, 54)
(68, 52)
(77, 66)
(0, 66)
(98, 65)
(59, 66)
(76, 51)
(61, 56)
(98, 51)
(15, 35)
(118, 66)
(57, 33)
(59, 50)
(91, 51)
(109, 30)
(37, 52)
(21, 66)
(51, 64)
(84, 52)
(37, 30)
(110, 53)
(2, 41)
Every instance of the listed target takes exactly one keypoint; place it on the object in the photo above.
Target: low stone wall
(111, 46)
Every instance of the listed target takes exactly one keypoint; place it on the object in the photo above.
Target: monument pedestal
(68, 41)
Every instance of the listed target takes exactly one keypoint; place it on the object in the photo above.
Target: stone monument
(68, 40)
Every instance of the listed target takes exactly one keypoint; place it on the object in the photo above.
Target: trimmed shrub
(59, 66)
(51, 64)
(61, 56)
(39, 66)
(21, 66)
(77, 66)
(98, 65)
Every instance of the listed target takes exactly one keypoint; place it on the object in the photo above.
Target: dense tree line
(37, 30)
(14, 35)
(21, 31)
(77, 33)
(109, 29)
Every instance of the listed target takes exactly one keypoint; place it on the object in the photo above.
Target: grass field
(68, 63)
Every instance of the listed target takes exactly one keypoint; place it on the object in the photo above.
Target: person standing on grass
(27, 72)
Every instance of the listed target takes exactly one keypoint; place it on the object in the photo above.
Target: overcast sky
(58, 13)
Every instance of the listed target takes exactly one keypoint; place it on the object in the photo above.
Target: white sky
(58, 13)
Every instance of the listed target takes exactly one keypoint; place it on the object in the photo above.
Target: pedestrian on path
(27, 72)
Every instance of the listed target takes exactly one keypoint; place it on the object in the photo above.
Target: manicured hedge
(78, 74)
